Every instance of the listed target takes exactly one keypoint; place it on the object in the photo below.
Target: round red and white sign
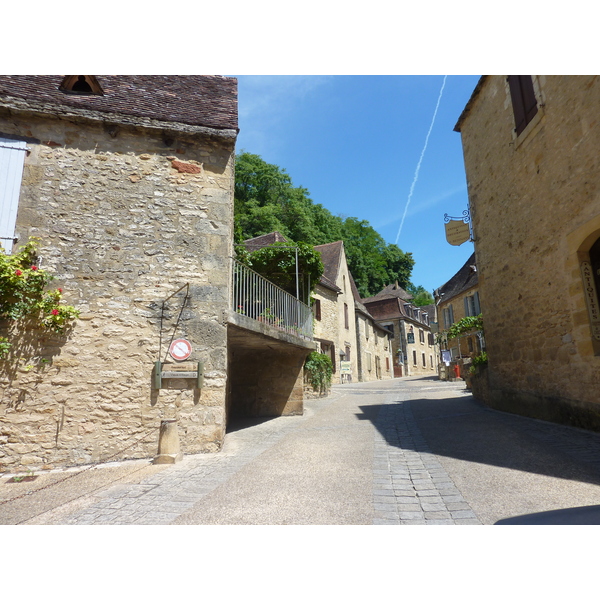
(180, 349)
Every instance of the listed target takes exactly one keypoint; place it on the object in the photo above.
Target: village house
(414, 350)
(128, 183)
(358, 347)
(333, 306)
(530, 145)
(456, 299)
(374, 343)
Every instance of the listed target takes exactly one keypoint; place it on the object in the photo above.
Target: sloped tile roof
(464, 279)
(331, 256)
(261, 241)
(393, 290)
(198, 100)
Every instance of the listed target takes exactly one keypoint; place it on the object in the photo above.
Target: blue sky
(355, 142)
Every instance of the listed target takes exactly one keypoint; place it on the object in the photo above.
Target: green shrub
(319, 370)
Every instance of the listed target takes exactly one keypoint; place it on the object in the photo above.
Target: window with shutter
(317, 309)
(12, 158)
(523, 98)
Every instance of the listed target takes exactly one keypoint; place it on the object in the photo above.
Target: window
(366, 330)
(415, 358)
(472, 308)
(431, 361)
(317, 310)
(421, 336)
(387, 363)
(347, 353)
(369, 364)
(12, 157)
(448, 314)
(430, 340)
(346, 323)
(423, 358)
(523, 99)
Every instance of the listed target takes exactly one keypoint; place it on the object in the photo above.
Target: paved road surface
(411, 451)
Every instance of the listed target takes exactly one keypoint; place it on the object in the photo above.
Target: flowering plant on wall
(23, 293)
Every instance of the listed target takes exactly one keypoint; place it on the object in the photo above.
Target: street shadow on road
(461, 428)
(238, 423)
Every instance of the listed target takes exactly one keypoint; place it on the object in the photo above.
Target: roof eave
(469, 104)
(19, 105)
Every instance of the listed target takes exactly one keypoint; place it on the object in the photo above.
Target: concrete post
(168, 444)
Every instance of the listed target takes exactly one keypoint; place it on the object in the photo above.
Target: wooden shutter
(477, 305)
(12, 157)
(318, 310)
(523, 100)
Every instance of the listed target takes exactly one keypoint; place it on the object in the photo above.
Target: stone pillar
(168, 444)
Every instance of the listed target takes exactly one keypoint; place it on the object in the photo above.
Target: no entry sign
(180, 349)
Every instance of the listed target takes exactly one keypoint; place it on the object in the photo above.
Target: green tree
(266, 200)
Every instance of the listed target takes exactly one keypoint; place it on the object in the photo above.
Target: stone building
(128, 183)
(458, 298)
(335, 325)
(413, 346)
(530, 145)
(374, 343)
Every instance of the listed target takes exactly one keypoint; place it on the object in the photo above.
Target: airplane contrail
(412, 187)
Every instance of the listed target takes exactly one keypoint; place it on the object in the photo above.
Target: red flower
(59, 290)
(54, 311)
(34, 268)
(18, 272)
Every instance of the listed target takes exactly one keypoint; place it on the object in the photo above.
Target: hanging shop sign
(458, 230)
(180, 349)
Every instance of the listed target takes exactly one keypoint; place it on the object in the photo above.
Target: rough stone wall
(125, 219)
(535, 202)
(373, 341)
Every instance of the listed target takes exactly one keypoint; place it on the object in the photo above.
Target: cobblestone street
(401, 452)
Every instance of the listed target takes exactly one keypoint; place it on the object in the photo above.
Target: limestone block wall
(535, 200)
(126, 217)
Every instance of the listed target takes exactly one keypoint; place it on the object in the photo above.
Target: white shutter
(12, 157)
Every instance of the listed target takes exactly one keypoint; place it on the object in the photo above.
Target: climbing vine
(319, 370)
(465, 325)
(23, 293)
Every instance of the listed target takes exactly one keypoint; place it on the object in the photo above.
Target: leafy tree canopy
(421, 297)
(266, 200)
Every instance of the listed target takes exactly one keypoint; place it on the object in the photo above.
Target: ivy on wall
(23, 294)
(319, 370)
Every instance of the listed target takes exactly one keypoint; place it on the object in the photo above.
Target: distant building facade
(456, 299)
(414, 349)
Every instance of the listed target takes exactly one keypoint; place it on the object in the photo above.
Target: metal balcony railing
(256, 297)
